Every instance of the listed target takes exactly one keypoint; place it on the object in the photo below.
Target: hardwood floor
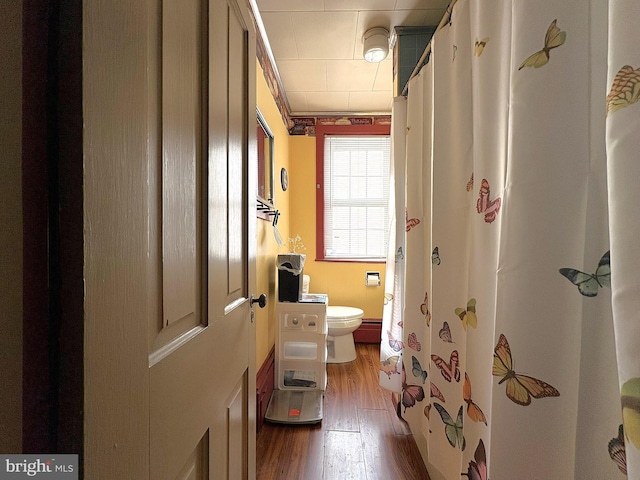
(360, 436)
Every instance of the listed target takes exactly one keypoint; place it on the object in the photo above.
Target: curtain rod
(445, 18)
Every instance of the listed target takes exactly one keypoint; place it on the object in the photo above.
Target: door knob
(261, 300)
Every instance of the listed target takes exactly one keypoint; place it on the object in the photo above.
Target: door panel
(237, 148)
(175, 267)
(197, 465)
(237, 425)
(184, 48)
(180, 59)
(121, 258)
(202, 383)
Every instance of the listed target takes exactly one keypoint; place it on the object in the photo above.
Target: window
(353, 172)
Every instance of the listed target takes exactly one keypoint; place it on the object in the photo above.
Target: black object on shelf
(290, 276)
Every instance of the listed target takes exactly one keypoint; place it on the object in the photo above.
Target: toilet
(341, 322)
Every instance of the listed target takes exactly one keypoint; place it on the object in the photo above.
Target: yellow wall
(267, 248)
(343, 282)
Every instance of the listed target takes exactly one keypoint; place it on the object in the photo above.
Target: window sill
(349, 260)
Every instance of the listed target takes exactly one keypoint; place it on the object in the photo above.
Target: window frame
(341, 130)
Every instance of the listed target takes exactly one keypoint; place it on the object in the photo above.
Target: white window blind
(356, 196)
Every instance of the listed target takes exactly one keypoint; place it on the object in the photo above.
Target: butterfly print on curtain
(413, 342)
(468, 315)
(410, 222)
(587, 283)
(448, 370)
(478, 466)
(485, 205)
(630, 401)
(445, 333)
(470, 183)
(553, 39)
(411, 394)
(417, 370)
(479, 45)
(427, 410)
(617, 450)
(435, 257)
(452, 429)
(395, 344)
(436, 393)
(473, 410)
(424, 308)
(519, 388)
(390, 365)
(625, 89)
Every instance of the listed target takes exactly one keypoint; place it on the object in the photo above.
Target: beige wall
(11, 230)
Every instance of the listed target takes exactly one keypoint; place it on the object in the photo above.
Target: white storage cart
(301, 361)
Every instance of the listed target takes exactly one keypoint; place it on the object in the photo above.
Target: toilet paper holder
(372, 279)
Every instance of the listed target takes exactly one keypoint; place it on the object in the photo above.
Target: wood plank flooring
(360, 437)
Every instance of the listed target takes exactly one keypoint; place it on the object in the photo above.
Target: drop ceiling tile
(303, 75)
(391, 19)
(328, 101)
(370, 19)
(384, 76)
(350, 75)
(330, 5)
(280, 35)
(290, 5)
(298, 101)
(370, 102)
(325, 35)
(396, 18)
(330, 76)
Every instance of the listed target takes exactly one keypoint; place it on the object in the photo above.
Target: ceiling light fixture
(376, 44)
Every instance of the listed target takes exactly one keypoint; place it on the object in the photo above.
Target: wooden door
(169, 187)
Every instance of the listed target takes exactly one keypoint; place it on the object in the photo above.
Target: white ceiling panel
(325, 35)
(369, 102)
(283, 45)
(290, 5)
(350, 75)
(384, 76)
(317, 47)
(328, 101)
(298, 101)
(357, 5)
(303, 75)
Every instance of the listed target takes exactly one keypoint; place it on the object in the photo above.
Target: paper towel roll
(276, 234)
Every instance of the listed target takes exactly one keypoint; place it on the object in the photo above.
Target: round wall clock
(284, 179)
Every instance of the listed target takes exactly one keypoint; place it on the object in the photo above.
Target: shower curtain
(511, 325)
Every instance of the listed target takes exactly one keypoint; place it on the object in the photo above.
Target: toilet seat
(343, 317)
(338, 314)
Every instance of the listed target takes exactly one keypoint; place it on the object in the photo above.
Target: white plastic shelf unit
(301, 345)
